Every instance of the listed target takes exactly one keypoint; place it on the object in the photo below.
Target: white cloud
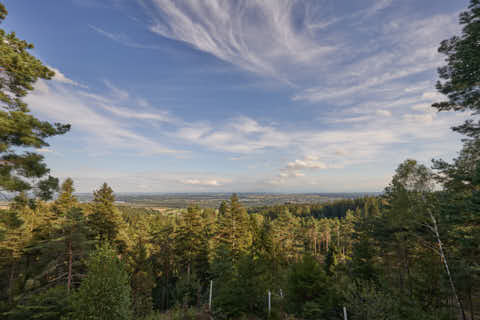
(60, 77)
(116, 92)
(132, 114)
(324, 149)
(433, 95)
(384, 113)
(377, 7)
(403, 48)
(238, 135)
(425, 107)
(307, 163)
(79, 108)
(421, 118)
(201, 182)
(122, 39)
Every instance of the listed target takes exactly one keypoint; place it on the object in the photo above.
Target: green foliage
(142, 280)
(190, 242)
(232, 228)
(105, 219)
(18, 128)
(366, 301)
(310, 292)
(105, 292)
(460, 77)
(178, 313)
(51, 304)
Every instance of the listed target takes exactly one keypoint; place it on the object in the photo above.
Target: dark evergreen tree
(105, 219)
(232, 231)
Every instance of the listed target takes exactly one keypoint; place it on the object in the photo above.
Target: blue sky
(267, 95)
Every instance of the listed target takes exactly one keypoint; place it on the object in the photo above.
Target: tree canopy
(460, 78)
(19, 129)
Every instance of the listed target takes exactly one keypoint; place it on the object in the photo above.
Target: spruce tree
(105, 219)
(189, 240)
(232, 231)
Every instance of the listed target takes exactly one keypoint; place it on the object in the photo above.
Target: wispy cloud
(402, 49)
(161, 116)
(377, 7)
(259, 36)
(60, 77)
(198, 182)
(238, 135)
(307, 163)
(80, 108)
(122, 39)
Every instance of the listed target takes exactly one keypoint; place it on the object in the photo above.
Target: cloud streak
(122, 39)
(80, 108)
(258, 36)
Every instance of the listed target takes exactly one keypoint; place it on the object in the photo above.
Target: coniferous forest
(411, 253)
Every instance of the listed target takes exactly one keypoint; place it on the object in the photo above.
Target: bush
(105, 292)
(367, 301)
(51, 304)
(176, 313)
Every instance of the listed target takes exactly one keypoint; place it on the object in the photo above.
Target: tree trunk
(70, 262)
(10, 283)
(447, 269)
(472, 312)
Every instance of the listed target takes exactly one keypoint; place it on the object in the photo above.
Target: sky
(239, 96)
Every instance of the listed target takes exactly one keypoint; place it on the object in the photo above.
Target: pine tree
(19, 129)
(71, 235)
(460, 77)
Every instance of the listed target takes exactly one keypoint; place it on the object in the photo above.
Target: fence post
(269, 302)
(345, 313)
(210, 296)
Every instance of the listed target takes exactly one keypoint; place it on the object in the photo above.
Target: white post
(345, 313)
(210, 296)
(269, 302)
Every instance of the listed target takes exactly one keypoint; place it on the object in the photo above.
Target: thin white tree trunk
(444, 259)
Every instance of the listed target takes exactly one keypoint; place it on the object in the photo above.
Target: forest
(410, 253)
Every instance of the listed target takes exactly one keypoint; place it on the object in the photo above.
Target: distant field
(163, 202)
(213, 200)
